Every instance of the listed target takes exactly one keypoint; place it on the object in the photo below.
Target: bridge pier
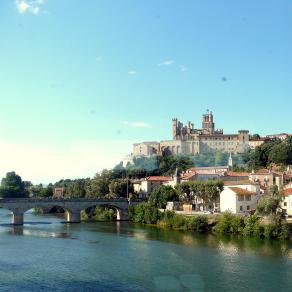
(122, 215)
(17, 218)
(73, 217)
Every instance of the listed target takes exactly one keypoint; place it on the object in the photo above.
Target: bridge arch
(121, 213)
(73, 207)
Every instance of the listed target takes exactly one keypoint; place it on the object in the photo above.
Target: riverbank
(226, 223)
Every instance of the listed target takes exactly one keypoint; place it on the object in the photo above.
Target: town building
(239, 197)
(58, 193)
(143, 187)
(286, 203)
(186, 139)
(281, 136)
(267, 178)
(253, 143)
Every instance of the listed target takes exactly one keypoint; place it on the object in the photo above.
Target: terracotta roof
(186, 176)
(207, 167)
(237, 174)
(263, 171)
(240, 191)
(238, 182)
(288, 192)
(158, 178)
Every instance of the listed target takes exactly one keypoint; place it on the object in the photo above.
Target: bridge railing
(46, 200)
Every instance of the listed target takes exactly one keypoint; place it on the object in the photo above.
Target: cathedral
(189, 140)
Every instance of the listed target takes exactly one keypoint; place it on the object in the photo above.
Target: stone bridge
(18, 206)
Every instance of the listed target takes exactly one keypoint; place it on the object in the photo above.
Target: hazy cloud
(137, 124)
(132, 72)
(166, 63)
(29, 6)
(45, 162)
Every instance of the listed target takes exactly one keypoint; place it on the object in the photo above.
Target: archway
(104, 212)
(6, 216)
(45, 214)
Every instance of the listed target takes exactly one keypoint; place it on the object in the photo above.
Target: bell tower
(208, 125)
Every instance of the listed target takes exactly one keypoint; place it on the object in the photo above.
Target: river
(48, 255)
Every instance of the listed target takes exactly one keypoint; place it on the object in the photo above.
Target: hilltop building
(189, 140)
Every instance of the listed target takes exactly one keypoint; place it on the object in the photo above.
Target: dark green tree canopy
(13, 186)
(161, 195)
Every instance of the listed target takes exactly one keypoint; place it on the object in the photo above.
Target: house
(267, 177)
(235, 176)
(286, 204)
(146, 185)
(239, 197)
(253, 143)
(237, 200)
(58, 193)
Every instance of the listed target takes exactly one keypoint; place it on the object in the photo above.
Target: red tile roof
(238, 182)
(186, 176)
(288, 192)
(240, 191)
(158, 178)
(237, 174)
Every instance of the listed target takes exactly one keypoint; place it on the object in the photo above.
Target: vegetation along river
(46, 254)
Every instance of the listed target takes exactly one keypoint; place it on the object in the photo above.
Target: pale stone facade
(286, 203)
(240, 197)
(188, 140)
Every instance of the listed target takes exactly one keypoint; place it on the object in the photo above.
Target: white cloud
(137, 124)
(49, 163)
(132, 72)
(22, 6)
(29, 6)
(166, 63)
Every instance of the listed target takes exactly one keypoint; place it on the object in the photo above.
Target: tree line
(274, 151)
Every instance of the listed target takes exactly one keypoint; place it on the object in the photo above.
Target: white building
(143, 187)
(239, 197)
(286, 204)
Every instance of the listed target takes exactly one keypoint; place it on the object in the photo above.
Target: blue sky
(81, 80)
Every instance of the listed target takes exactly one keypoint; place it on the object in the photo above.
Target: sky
(80, 81)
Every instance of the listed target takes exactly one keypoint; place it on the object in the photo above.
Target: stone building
(189, 140)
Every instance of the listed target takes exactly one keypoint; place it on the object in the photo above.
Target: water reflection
(229, 245)
(23, 231)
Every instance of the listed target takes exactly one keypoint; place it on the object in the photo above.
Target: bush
(252, 226)
(198, 223)
(146, 213)
(237, 224)
(161, 195)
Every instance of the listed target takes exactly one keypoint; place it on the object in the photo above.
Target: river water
(48, 255)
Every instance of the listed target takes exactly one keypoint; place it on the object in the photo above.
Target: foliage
(198, 223)
(208, 191)
(161, 195)
(268, 205)
(145, 213)
(12, 186)
(99, 213)
(119, 188)
(252, 226)
(273, 151)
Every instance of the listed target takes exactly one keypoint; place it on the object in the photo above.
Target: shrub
(236, 224)
(198, 223)
(251, 225)
(146, 213)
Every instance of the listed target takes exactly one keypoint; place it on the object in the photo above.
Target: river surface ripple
(48, 255)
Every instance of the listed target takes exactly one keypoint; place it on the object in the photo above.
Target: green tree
(161, 195)
(268, 205)
(118, 188)
(13, 186)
